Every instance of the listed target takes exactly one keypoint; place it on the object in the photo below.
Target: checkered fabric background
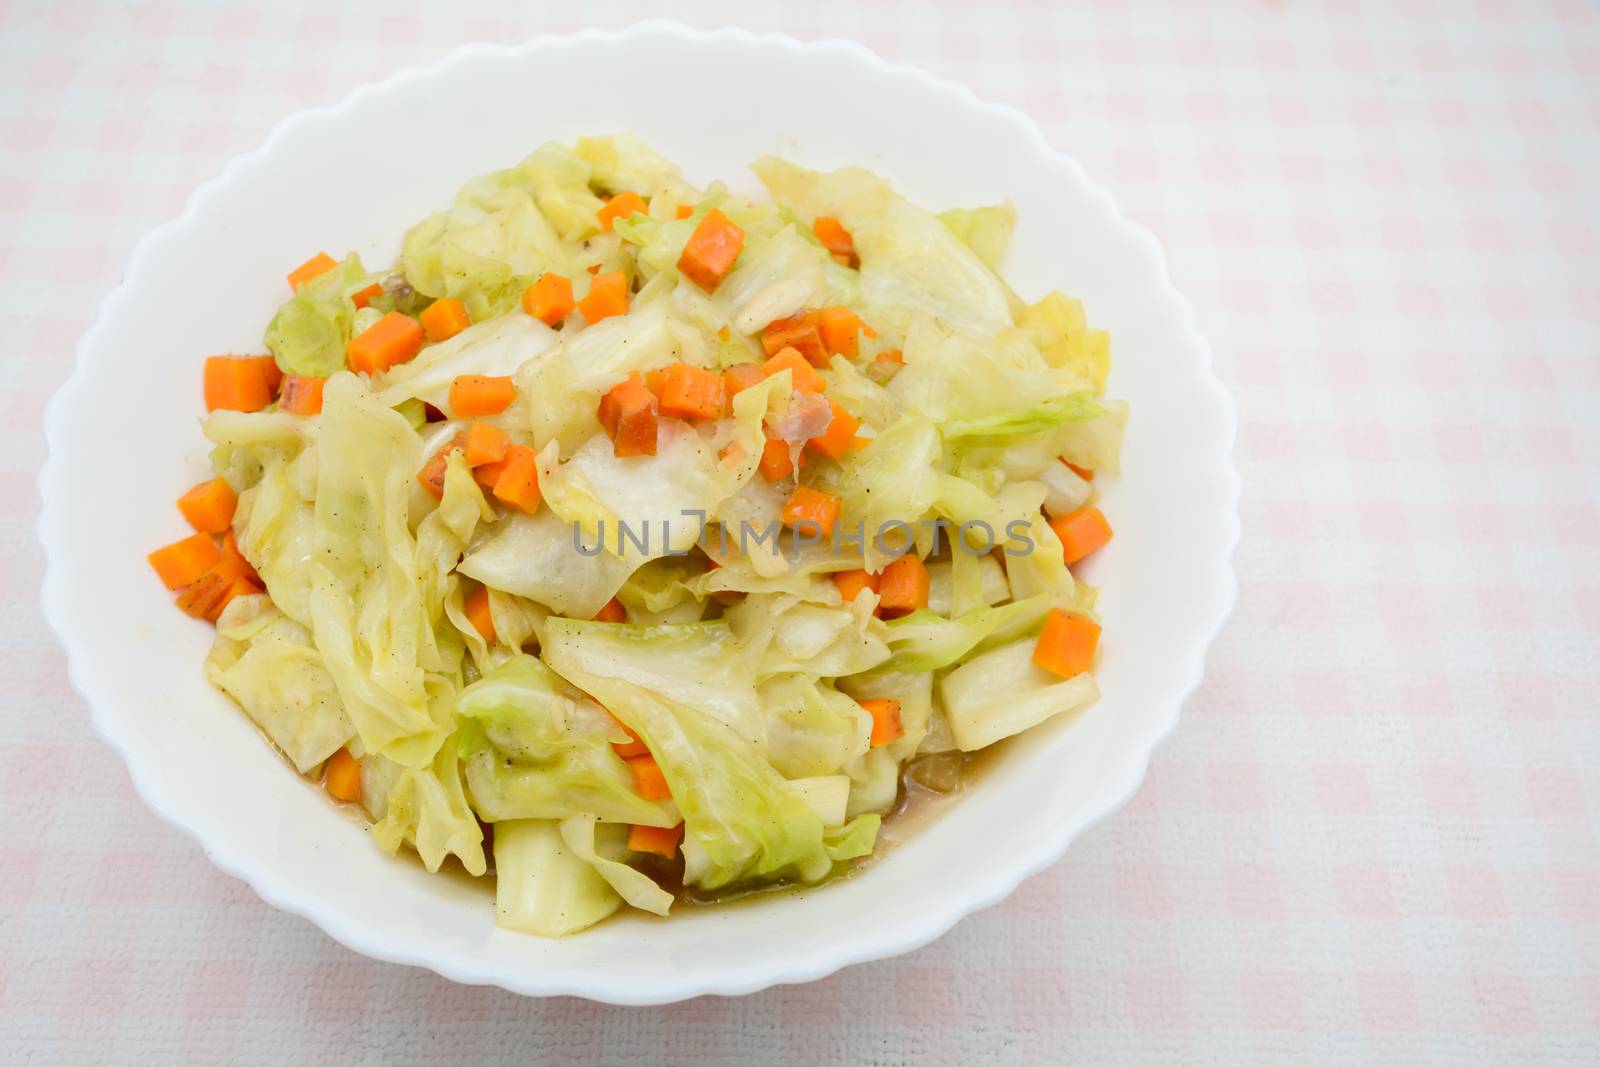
(1374, 835)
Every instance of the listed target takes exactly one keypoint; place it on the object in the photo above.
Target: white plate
(353, 177)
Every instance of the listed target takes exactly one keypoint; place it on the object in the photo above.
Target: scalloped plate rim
(281, 893)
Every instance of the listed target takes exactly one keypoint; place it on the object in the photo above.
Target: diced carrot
(301, 395)
(722, 332)
(684, 211)
(798, 331)
(803, 377)
(613, 611)
(594, 268)
(903, 587)
(608, 296)
(710, 251)
(431, 476)
(628, 412)
(839, 438)
(443, 319)
(1067, 644)
(475, 395)
(236, 383)
(663, 842)
(633, 746)
(364, 297)
(268, 366)
(892, 355)
(341, 776)
(486, 443)
(200, 597)
(490, 473)
(776, 463)
(549, 299)
(620, 206)
(807, 505)
(648, 780)
(390, 341)
(885, 720)
(839, 327)
(851, 583)
(209, 506)
(207, 596)
(476, 606)
(184, 561)
(518, 484)
(233, 564)
(836, 239)
(738, 378)
(316, 266)
(1086, 475)
(1081, 532)
(656, 382)
(689, 392)
(610, 410)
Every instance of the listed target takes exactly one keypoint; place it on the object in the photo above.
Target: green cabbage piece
(643, 506)
(369, 615)
(1033, 418)
(950, 375)
(426, 807)
(911, 263)
(559, 180)
(542, 886)
(489, 247)
(855, 838)
(659, 592)
(563, 388)
(599, 844)
(828, 795)
(497, 347)
(270, 461)
(1095, 444)
(874, 784)
(533, 556)
(923, 641)
(742, 820)
(266, 662)
(790, 634)
(966, 582)
(985, 230)
(624, 162)
(912, 690)
(1061, 331)
(778, 275)
(535, 748)
(659, 241)
(311, 329)
(895, 478)
(1001, 692)
(1036, 565)
(812, 729)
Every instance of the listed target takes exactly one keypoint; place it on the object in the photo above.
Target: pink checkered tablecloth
(1375, 836)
